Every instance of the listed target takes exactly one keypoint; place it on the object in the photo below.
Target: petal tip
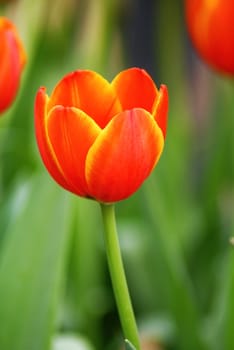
(160, 108)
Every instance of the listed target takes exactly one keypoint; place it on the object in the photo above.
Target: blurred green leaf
(129, 345)
(32, 268)
(88, 297)
(221, 324)
(175, 279)
(228, 318)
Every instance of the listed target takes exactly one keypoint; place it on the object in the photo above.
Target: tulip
(210, 25)
(12, 61)
(101, 140)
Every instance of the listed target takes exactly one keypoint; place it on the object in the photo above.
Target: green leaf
(128, 345)
(221, 326)
(175, 279)
(32, 267)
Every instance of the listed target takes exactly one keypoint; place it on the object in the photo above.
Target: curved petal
(47, 155)
(123, 155)
(88, 91)
(135, 88)
(71, 133)
(160, 109)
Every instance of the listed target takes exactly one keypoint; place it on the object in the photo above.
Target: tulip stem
(118, 277)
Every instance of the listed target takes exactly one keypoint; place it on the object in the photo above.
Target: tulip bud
(12, 61)
(98, 139)
(211, 28)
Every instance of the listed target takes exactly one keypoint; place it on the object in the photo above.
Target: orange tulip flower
(98, 139)
(210, 25)
(12, 60)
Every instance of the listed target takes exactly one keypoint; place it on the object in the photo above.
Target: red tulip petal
(9, 70)
(123, 155)
(71, 133)
(11, 63)
(210, 25)
(89, 92)
(135, 88)
(46, 152)
(8, 26)
(160, 109)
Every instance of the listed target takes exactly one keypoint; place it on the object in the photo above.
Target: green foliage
(32, 267)
(129, 346)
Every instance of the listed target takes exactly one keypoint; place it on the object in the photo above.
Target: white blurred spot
(70, 342)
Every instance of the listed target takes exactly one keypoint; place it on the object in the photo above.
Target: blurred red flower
(12, 61)
(98, 139)
(210, 25)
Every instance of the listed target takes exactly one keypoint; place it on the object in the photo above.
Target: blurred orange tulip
(98, 139)
(12, 61)
(210, 25)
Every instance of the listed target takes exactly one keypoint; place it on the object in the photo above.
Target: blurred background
(55, 290)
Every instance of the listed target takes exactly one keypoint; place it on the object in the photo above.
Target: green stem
(118, 278)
